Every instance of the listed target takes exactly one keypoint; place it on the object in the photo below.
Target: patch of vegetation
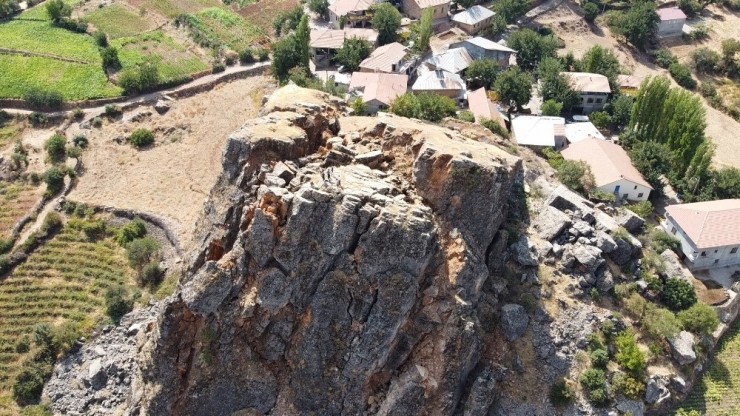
(561, 394)
(40, 99)
(425, 106)
(495, 127)
(215, 27)
(56, 148)
(141, 138)
(682, 75)
(700, 319)
(678, 294)
(118, 21)
(576, 175)
(594, 381)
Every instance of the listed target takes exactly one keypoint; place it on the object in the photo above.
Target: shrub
(152, 275)
(131, 231)
(660, 323)
(682, 75)
(555, 159)
(466, 116)
(628, 354)
(590, 11)
(55, 148)
(642, 208)
(593, 379)
(701, 31)
(57, 10)
(552, 107)
(705, 60)
(29, 383)
(43, 100)
(143, 78)
(78, 114)
(218, 67)
(80, 141)
(246, 56)
(112, 111)
(73, 25)
(599, 358)
(54, 179)
(561, 394)
(101, 39)
(23, 345)
(5, 264)
(141, 138)
(661, 241)
(601, 196)
(425, 106)
(52, 222)
(664, 58)
(700, 319)
(5, 245)
(110, 58)
(495, 127)
(628, 386)
(359, 107)
(118, 303)
(94, 230)
(690, 7)
(65, 335)
(97, 122)
(576, 175)
(37, 118)
(262, 54)
(707, 89)
(678, 294)
(600, 119)
(141, 252)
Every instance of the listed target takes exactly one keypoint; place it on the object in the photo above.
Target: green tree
(678, 294)
(620, 111)
(590, 11)
(320, 7)
(386, 20)
(705, 60)
(628, 354)
(511, 10)
(554, 85)
(498, 25)
(638, 25)
(8, 7)
(700, 318)
(727, 183)
(531, 48)
(303, 40)
(481, 73)
(56, 148)
(118, 302)
(110, 58)
(405, 105)
(551, 108)
(690, 7)
(682, 75)
(730, 60)
(285, 56)
(359, 107)
(58, 10)
(600, 60)
(466, 3)
(141, 252)
(54, 179)
(288, 20)
(352, 52)
(514, 88)
(424, 30)
(650, 158)
(425, 106)
(576, 175)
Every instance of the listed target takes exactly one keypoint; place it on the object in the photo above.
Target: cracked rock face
(340, 268)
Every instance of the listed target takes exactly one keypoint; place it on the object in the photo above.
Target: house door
(616, 189)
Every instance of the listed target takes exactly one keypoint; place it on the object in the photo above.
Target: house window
(673, 230)
(703, 253)
(590, 101)
(639, 195)
(635, 186)
(598, 101)
(734, 250)
(625, 196)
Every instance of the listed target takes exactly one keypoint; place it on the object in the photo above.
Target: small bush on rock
(628, 354)
(55, 148)
(700, 319)
(678, 294)
(599, 358)
(118, 303)
(131, 231)
(141, 138)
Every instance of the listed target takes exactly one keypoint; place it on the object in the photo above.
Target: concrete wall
(705, 258)
(474, 29)
(671, 27)
(413, 10)
(630, 189)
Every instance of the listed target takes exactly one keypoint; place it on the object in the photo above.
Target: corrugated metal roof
(342, 7)
(587, 82)
(629, 81)
(671, 13)
(537, 131)
(577, 132)
(488, 44)
(379, 86)
(438, 80)
(453, 60)
(334, 38)
(608, 161)
(383, 58)
(709, 224)
(473, 15)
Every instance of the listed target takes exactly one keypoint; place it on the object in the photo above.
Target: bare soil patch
(173, 178)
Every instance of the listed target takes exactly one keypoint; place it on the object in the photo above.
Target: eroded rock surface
(341, 266)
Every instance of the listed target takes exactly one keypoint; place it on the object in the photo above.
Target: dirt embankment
(172, 178)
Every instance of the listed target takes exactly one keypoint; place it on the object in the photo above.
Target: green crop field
(16, 200)
(175, 62)
(63, 281)
(174, 8)
(118, 21)
(215, 26)
(42, 37)
(718, 392)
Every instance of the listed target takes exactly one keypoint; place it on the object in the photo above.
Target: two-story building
(414, 8)
(474, 19)
(393, 58)
(709, 232)
(325, 43)
(352, 12)
(593, 89)
(671, 22)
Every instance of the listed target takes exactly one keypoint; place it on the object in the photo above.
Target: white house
(671, 22)
(612, 168)
(474, 19)
(594, 90)
(709, 232)
(377, 89)
(577, 132)
(539, 132)
(482, 48)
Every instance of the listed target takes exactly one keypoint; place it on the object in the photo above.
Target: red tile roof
(671, 13)
(608, 161)
(709, 224)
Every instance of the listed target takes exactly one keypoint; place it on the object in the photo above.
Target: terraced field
(173, 8)
(16, 200)
(215, 26)
(718, 393)
(174, 61)
(63, 281)
(118, 21)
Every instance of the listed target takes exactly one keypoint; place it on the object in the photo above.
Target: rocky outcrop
(682, 347)
(342, 269)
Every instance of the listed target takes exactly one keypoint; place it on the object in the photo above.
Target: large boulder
(682, 348)
(605, 242)
(625, 251)
(524, 252)
(514, 320)
(588, 256)
(550, 223)
(656, 391)
(630, 221)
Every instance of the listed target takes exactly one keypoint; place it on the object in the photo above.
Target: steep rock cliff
(346, 265)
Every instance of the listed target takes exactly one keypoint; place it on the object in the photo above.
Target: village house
(474, 19)
(671, 22)
(577, 132)
(414, 8)
(594, 90)
(393, 58)
(539, 132)
(324, 43)
(352, 12)
(482, 48)
(377, 89)
(483, 108)
(629, 84)
(612, 168)
(455, 60)
(709, 232)
(443, 83)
